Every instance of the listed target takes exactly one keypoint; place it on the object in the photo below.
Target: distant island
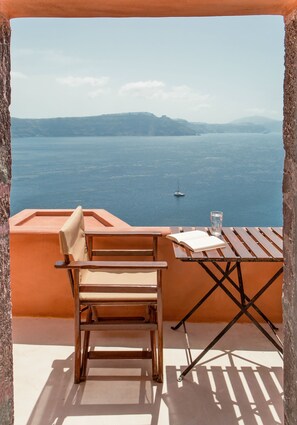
(135, 124)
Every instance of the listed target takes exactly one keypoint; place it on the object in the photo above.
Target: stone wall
(290, 221)
(6, 370)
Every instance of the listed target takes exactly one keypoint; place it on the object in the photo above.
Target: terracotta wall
(141, 8)
(38, 289)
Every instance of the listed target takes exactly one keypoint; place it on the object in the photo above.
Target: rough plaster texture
(290, 221)
(6, 374)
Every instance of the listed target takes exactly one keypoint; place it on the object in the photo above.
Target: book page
(204, 243)
(187, 236)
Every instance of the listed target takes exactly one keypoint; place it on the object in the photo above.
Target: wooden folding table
(243, 244)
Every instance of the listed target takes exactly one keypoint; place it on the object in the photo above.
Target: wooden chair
(102, 285)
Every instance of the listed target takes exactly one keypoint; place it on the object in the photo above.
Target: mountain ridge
(134, 124)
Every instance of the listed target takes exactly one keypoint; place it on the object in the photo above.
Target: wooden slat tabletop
(242, 244)
(270, 248)
(274, 235)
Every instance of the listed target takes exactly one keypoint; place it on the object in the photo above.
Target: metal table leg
(244, 306)
(225, 274)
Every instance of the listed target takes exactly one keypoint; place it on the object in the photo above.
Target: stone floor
(239, 382)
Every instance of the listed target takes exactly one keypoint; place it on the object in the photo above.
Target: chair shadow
(113, 393)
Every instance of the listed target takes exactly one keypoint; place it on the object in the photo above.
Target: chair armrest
(111, 232)
(113, 265)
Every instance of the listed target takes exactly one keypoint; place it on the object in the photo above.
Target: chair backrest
(72, 236)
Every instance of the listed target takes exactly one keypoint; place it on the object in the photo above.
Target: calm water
(135, 177)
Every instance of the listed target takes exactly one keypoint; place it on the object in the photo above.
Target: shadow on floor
(124, 394)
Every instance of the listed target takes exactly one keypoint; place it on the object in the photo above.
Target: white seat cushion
(90, 277)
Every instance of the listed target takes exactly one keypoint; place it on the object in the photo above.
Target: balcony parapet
(50, 221)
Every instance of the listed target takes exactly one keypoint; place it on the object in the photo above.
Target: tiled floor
(240, 381)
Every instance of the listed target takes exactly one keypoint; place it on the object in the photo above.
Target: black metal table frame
(244, 305)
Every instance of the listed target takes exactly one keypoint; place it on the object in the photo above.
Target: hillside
(130, 124)
(268, 123)
(135, 124)
(255, 124)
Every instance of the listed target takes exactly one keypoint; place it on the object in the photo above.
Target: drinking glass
(216, 221)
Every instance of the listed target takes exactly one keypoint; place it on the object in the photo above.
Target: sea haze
(134, 178)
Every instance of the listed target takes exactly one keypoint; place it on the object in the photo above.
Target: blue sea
(134, 178)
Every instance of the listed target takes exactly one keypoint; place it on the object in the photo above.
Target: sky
(200, 69)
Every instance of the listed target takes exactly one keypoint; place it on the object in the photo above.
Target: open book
(197, 240)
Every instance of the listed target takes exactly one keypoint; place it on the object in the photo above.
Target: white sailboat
(178, 193)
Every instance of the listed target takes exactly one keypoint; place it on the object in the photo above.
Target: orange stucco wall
(130, 8)
(38, 289)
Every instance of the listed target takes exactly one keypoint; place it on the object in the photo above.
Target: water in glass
(216, 220)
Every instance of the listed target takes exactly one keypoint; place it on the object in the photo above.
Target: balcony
(239, 382)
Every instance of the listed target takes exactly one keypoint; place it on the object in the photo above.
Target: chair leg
(160, 342)
(86, 346)
(152, 319)
(160, 358)
(154, 355)
(77, 349)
